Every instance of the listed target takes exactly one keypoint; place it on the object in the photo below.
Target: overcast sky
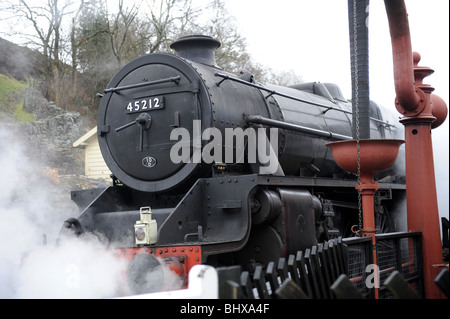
(311, 38)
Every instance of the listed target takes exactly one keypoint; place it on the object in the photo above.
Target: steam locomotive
(215, 168)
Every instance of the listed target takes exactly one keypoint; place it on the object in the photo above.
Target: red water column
(415, 102)
(421, 197)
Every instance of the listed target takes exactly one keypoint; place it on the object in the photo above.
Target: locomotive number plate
(145, 104)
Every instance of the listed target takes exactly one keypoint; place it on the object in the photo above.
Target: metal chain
(355, 46)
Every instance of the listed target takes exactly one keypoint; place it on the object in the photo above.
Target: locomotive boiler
(216, 168)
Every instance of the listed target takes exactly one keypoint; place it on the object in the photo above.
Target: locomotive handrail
(273, 92)
(175, 79)
(258, 119)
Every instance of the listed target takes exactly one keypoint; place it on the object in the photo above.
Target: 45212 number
(145, 104)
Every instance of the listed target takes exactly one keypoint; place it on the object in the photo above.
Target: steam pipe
(402, 54)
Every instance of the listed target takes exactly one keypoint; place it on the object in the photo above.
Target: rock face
(47, 140)
(43, 155)
(60, 131)
(53, 125)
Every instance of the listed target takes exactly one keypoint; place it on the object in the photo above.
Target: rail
(175, 79)
(258, 119)
(311, 274)
(401, 251)
(273, 92)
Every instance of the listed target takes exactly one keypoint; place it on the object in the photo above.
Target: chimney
(198, 48)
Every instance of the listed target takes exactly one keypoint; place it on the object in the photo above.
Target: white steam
(76, 268)
(28, 269)
(81, 267)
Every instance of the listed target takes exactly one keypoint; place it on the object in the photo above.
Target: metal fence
(311, 273)
(401, 252)
(395, 251)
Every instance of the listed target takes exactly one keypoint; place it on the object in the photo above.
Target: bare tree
(170, 19)
(84, 27)
(118, 30)
(85, 38)
(42, 27)
(75, 43)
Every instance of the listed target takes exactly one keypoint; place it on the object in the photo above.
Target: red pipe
(402, 55)
(414, 102)
(368, 190)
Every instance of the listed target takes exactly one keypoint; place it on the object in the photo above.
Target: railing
(358, 255)
(311, 273)
(401, 252)
(306, 274)
(395, 251)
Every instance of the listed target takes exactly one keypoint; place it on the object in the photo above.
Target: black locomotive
(165, 127)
